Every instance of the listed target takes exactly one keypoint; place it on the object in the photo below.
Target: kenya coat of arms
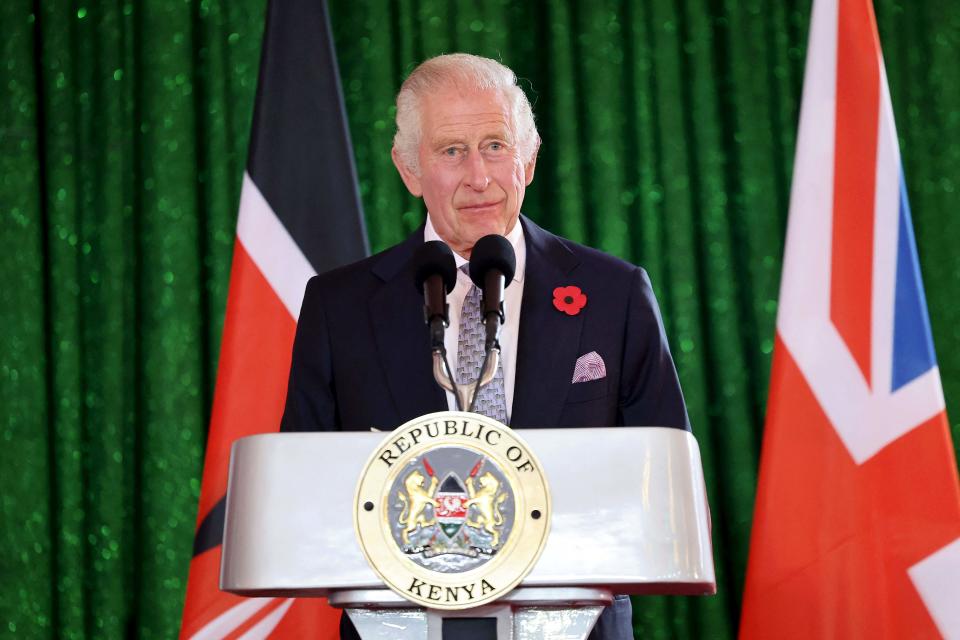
(452, 510)
(458, 517)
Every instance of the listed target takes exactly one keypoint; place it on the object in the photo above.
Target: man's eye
(497, 148)
(451, 152)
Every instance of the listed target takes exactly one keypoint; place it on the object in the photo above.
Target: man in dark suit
(466, 143)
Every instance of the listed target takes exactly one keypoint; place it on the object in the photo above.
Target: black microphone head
(434, 258)
(492, 252)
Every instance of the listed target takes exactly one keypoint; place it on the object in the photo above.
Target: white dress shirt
(512, 297)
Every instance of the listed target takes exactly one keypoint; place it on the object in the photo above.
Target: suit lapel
(401, 336)
(548, 340)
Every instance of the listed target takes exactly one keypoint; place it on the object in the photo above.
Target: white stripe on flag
(936, 577)
(886, 231)
(231, 619)
(272, 248)
(804, 301)
(262, 629)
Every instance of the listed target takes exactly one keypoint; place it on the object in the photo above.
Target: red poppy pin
(570, 300)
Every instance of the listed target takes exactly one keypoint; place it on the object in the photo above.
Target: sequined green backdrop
(668, 132)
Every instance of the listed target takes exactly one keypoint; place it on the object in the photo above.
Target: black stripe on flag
(210, 532)
(300, 154)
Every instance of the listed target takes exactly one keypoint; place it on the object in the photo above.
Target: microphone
(435, 275)
(492, 265)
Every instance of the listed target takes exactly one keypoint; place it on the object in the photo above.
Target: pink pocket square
(589, 367)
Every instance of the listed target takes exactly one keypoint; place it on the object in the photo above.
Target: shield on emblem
(451, 510)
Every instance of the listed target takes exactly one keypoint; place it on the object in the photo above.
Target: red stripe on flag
(205, 601)
(252, 375)
(251, 385)
(308, 617)
(251, 388)
(854, 179)
(832, 541)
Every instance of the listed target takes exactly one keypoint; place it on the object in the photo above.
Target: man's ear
(410, 179)
(528, 168)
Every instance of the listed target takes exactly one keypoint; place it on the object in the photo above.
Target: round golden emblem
(452, 510)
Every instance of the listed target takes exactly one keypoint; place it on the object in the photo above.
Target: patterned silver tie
(492, 400)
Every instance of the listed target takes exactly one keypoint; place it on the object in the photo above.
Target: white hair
(465, 72)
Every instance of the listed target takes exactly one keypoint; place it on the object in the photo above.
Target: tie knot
(465, 267)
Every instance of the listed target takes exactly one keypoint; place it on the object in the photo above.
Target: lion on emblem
(415, 503)
(487, 501)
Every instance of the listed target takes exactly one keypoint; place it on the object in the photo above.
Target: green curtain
(668, 129)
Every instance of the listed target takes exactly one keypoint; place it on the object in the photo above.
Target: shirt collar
(515, 237)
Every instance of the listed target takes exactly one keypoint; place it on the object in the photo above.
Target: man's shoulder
(595, 258)
(357, 278)
(588, 259)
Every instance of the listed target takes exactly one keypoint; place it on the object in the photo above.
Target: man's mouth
(480, 206)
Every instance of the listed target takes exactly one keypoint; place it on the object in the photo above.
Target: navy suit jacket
(362, 356)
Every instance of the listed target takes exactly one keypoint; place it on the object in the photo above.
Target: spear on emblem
(476, 468)
(426, 465)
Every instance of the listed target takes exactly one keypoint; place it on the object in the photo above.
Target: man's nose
(477, 176)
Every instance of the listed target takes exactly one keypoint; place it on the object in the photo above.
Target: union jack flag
(857, 518)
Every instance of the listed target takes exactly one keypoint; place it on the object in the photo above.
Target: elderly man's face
(472, 177)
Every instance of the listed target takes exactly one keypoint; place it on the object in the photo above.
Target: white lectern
(629, 516)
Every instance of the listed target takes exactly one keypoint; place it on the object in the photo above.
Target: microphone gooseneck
(435, 275)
